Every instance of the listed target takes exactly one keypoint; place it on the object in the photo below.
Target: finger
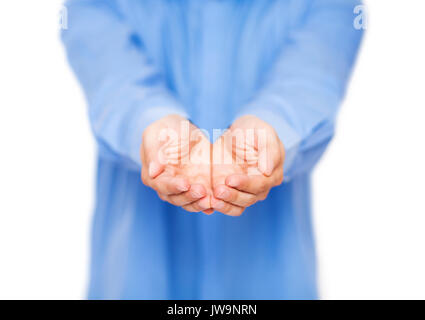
(195, 193)
(204, 203)
(197, 207)
(168, 185)
(151, 168)
(249, 184)
(234, 196)
(155, 169)
(226, 208)
(149, 156)
(269, 157)
(190, 208)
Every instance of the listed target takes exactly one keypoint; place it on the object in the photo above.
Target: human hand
(247, 162)
(176, 163)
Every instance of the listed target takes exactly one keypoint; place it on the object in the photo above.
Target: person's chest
(210, 49)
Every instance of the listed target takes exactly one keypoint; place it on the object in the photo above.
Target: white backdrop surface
(369, 189)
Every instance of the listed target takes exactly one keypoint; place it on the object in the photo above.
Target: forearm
(125, 92)
(302, 94)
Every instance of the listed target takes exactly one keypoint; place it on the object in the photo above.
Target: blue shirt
(287, 62)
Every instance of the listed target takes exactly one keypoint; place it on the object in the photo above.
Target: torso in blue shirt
(214, 55)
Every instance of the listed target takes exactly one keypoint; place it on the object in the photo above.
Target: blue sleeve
(302, 93)
(124, 91)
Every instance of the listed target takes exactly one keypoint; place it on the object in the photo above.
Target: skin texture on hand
(247, 162)
(176, 163)
(181, 165)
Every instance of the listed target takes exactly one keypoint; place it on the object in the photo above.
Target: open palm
(247, 163)
(176, 163)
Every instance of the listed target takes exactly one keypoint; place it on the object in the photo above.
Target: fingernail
(153, 169)
(232, 182)
(204, 203)
(183, 187)
(270, 165)
(218, 205)
(222, 194)
(262, 165)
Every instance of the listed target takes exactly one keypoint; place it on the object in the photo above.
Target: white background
(369, 189)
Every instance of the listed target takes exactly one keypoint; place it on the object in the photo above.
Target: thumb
(153, 163)
(268, 157)
(155, 153)
(265, 164)
(155, 169)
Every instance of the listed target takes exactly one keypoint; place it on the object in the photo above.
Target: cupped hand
(176, 163)
(247, 162)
